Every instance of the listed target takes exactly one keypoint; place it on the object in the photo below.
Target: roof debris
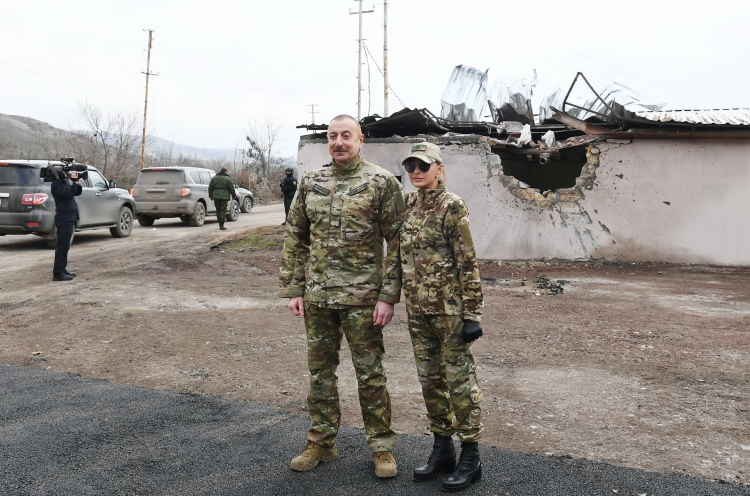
(567, 120)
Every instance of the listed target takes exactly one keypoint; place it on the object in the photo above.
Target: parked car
(27, 206)
(168, 192)
(246, 199)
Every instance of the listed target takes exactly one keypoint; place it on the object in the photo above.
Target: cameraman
(66, 215)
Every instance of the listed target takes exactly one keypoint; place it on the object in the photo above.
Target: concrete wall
(646, 200)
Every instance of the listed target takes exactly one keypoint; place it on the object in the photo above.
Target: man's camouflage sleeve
(459, 234)
(392, 215)
(296, 249)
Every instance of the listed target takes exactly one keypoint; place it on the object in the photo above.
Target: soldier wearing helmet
(288, 189)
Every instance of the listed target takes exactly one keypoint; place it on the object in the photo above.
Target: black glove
(472, 331)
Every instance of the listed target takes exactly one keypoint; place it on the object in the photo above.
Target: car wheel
(247, 204)
(124, 224)
(185, 218)
(145, 220)
(199, 217)
(52, 241)
(234, 211)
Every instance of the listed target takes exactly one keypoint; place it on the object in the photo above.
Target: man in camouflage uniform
(220, 191)
(444, 302)
(338, 276)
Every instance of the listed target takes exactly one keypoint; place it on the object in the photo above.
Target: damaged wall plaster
(647, 200)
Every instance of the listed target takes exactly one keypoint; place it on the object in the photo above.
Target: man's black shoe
(283, 223)
(469, 469)
(62, 277)
(68, 273)
(443, 457)
(221, 227)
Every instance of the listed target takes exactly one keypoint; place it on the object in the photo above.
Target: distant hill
(19, 132)
(156, 143)
(28, 128)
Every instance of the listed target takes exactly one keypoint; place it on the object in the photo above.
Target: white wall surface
(706, 183)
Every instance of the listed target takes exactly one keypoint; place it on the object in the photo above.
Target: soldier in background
(337, 226)
(220, 191)
(444, 302)
(288, 189)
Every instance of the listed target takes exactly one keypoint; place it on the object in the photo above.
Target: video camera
(53, 172)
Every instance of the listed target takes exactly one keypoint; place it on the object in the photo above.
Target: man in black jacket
(66, 215)
(288, 189)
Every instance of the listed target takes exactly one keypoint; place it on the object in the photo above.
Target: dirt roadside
(642, 365)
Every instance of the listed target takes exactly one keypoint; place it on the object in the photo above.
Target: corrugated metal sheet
(736, 117)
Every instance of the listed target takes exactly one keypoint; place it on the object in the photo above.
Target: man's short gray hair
(343, 117)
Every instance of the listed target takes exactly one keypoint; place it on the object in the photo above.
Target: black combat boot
(469, 469)
(443, 457)
(221, 226)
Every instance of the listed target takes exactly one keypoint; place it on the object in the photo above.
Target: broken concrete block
(570, 196)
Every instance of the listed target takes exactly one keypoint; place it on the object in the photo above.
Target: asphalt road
(61, 434)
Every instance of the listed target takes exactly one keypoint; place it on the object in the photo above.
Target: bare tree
(112, 139)
(263, 135)
(259, 169)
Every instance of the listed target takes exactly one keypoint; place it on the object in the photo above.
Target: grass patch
(268, 237)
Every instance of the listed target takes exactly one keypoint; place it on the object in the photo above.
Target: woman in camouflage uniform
(444, 302)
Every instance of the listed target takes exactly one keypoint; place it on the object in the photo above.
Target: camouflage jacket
(441, 274)
(333, 248)
(221, 187)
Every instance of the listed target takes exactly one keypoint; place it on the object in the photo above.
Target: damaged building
(608, 177)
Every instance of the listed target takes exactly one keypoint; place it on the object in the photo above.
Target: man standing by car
(66, 216)
(288, 189)
(338, 275)
(220, 191)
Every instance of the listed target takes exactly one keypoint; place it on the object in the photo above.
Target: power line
(594, 41)
(385, 58)
(453, 16)
(67, 81)
(312, 110)
(359, 61)
(67, 66)
(145, 101)
(369, 93)
(123, 95)
(417, 17)
(367, 51)
(57, 21)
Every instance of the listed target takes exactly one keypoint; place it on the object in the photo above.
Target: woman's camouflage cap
(426, 152)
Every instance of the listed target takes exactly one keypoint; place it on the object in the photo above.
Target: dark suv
(27, 206)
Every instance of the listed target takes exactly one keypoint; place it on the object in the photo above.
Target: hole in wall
(556, 173)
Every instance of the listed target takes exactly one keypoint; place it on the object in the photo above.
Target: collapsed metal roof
(617, 112)
(734, 117)
(411, 122)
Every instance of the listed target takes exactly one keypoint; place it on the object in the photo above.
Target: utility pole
(312, 110)
(359, 60)
(385, 58)
(145, 104)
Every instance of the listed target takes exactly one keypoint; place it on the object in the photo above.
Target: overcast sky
(224, 63)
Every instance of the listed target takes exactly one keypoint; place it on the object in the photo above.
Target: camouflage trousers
(325, 328)
(446, 371)
(221, 210)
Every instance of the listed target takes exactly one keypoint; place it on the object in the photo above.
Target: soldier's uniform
(333, 256)
(442, 288)
(221, 189)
